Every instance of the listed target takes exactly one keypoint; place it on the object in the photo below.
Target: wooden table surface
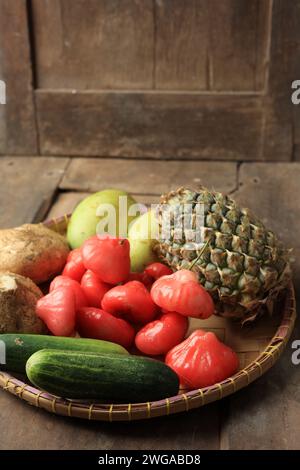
(265, 415)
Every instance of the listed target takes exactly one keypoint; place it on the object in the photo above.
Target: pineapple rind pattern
(242, 265)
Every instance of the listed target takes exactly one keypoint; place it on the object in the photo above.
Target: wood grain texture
(17, 121)
(95, 44)
(146, 177)
(27, 186)
(284, 68)
(66, 201)
(285, 46)
(296, 152)
(38, 429)
(296, 127)
(155, 125)
(164, 44)
(159, 57)
(181, 46)
(238, 34)
(266, 414)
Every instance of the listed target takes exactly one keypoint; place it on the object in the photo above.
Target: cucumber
(112, 378)
(19, 347)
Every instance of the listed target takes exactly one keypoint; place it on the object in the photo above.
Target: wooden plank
(296, 129)
(238, 32)
(278, 138)
(296, 152)
(197, 429)
(266, 414)
(285, 44)
(284, 68)
(155, 125)
(120, 34)
(146, 176)
(181, 45)
(263, 28)
(17, 121)
(27, 186)
(66, 201)
(95, 44)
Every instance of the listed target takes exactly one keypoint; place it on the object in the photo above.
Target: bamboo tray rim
(179, 403)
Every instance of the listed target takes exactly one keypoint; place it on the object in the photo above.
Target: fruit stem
(192, 264)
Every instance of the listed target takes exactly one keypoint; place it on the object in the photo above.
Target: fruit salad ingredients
(64, 281)
(157, 270)
(202, 360)
(132, 300)
(244, 265)
(113, 378)
(74, 268)
(33, 251)
(19, 347)
(95, 323)
(108, 258)
(159, 336)
(57, 310)
(18, 298)
(93, 211)
(93, 288)
(181, 292)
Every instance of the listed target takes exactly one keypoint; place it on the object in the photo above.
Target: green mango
(100, 213)
(141, 243)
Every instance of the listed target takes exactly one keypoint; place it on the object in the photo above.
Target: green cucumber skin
(112, 378)
(19, 347)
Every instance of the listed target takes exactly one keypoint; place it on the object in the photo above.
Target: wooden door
(17, 116)
(197, 79)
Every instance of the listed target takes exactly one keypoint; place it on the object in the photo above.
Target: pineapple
(239, 261)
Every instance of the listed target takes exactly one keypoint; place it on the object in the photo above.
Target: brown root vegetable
(34, 251)
(18, 298)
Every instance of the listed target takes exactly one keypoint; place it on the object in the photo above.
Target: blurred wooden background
(196, 79)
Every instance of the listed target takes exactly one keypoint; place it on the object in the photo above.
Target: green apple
(141, 236)
(102, 212)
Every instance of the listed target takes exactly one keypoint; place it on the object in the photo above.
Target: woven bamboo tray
(258, 347)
